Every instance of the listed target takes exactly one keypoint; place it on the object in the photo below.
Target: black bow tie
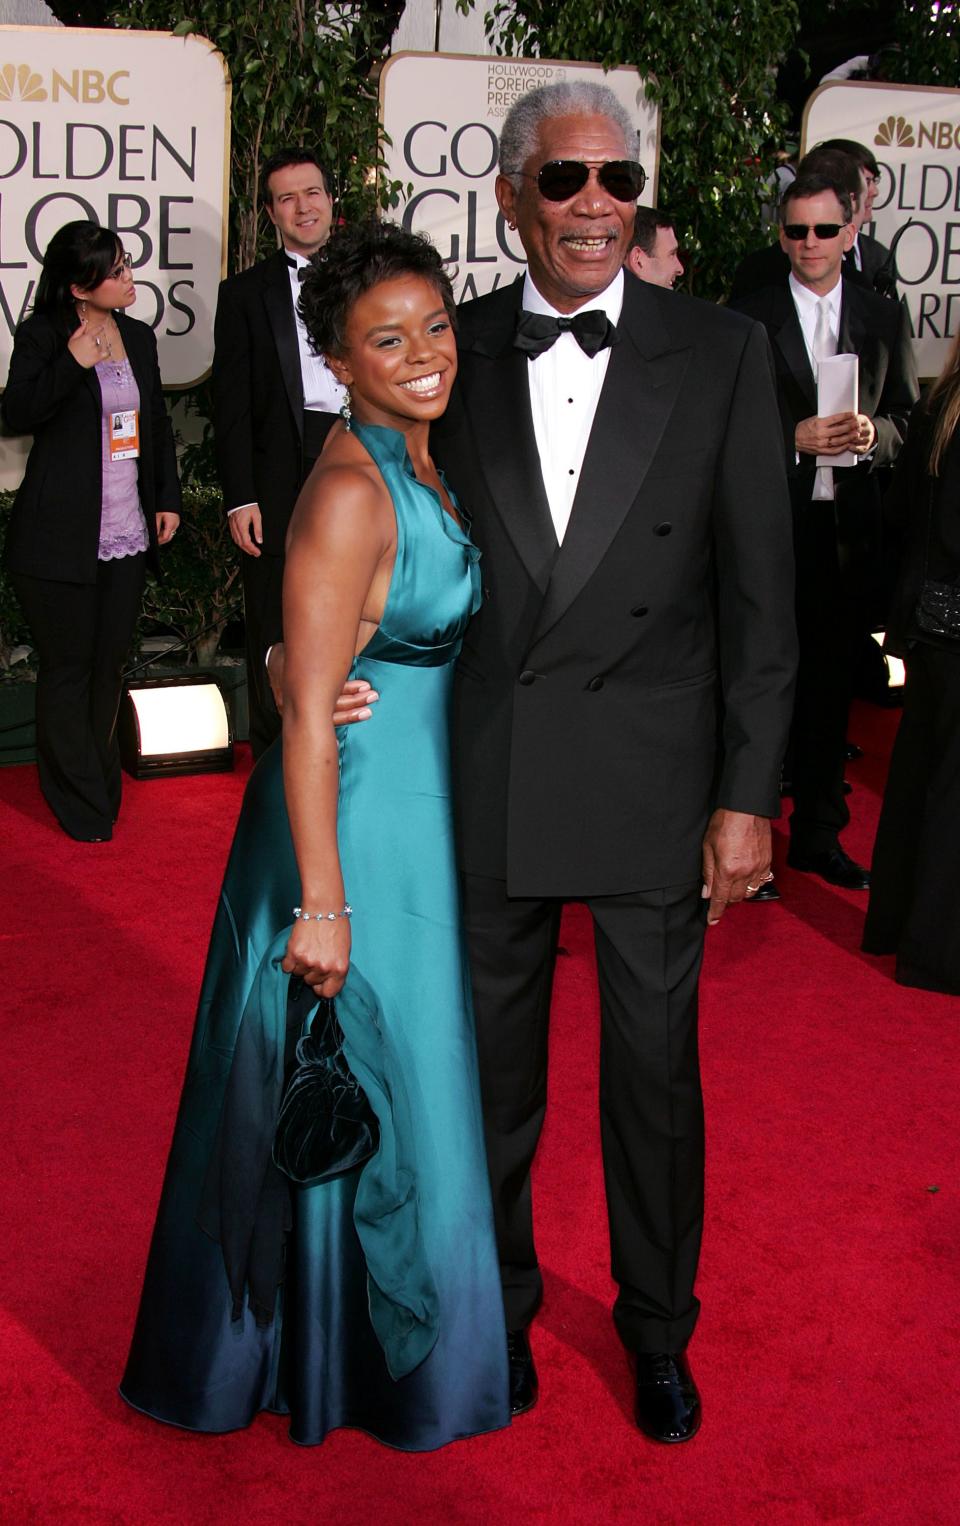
(592, 330)
(302, 270)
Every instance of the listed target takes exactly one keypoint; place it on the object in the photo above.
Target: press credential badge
(124, 435)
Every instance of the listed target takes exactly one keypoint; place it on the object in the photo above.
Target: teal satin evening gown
(410, 1285)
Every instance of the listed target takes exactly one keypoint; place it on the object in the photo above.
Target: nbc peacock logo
(18, 82)
(895, 132)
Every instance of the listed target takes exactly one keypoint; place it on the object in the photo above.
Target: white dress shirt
(321, 390)
(565, 388)
(806, 302)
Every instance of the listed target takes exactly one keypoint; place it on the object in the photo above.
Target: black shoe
(524, 1386)
(832, 865)
(768, 892)
(668, 1404)
(851, 751)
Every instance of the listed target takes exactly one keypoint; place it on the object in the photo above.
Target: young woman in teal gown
(372, 1300)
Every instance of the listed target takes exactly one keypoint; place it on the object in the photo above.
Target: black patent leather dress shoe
(832, 865)
(524, 1386)
(767, 892)
(667, 1402)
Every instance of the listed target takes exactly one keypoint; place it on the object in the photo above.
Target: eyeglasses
(873, 179)
(126, 263)
(796, 232)
(558, 180)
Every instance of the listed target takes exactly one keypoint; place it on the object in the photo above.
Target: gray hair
(521, 129)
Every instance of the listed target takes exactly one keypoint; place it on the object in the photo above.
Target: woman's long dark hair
(944, 400)
(79, 254)
(355, 259)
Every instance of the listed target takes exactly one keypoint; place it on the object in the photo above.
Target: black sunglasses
(798, 231)
(558, 180)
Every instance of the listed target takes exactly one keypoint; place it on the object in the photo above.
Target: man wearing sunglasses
(817, 313)
(623, 697)
(867, 262)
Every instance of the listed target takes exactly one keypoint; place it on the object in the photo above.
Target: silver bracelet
(322, 916)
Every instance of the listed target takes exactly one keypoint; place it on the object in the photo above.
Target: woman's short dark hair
(79, 254)
(354, 260)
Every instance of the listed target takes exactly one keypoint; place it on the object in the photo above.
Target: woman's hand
(320, 953)
(86, 343)
(167, 524)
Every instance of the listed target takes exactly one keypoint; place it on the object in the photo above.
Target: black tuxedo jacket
(258, 395)
(55, 524)
(612, 691)
(876, 330)
(768, 267)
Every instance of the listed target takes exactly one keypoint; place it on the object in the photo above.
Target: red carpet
(827, 1350)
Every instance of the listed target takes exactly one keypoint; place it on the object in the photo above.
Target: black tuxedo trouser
(834, 592)
(649, 948)
(82, 633)
(262, 578)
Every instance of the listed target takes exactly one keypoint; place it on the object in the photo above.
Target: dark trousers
(82, 633)
(649, 948)
(833, 617)
(262, 578)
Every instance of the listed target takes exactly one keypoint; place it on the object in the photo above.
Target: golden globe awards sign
(442, 114)
(914, 131)
(130, 130)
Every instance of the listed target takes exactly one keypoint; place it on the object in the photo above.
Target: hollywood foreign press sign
(130, 130)
(441, 115)
(914, 131)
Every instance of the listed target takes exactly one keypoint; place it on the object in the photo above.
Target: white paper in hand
(838, 391)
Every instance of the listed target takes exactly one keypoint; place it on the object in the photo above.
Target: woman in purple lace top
(99, 496)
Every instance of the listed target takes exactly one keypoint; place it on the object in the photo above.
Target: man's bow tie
(592, 330)
(302, 270)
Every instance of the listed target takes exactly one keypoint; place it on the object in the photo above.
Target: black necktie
(592, 330)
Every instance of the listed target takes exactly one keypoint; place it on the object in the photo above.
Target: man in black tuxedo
(623, 697)
(868, 263)
(273, 403)
(818, 312)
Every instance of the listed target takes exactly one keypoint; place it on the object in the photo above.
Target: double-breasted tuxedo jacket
(613, 690)
(258, 420)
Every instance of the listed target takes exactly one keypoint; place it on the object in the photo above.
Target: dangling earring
(345, 412)
(83, 310)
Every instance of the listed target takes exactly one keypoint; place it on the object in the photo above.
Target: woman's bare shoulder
(345, 495)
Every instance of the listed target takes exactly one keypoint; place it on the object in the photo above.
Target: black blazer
(612, 691)
(55, 524)
(258, 395)
(877, 331)
(926, 511)
(767, 267)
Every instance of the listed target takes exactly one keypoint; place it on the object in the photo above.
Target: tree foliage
(712, 68)
(299, 76)
(929, 45)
